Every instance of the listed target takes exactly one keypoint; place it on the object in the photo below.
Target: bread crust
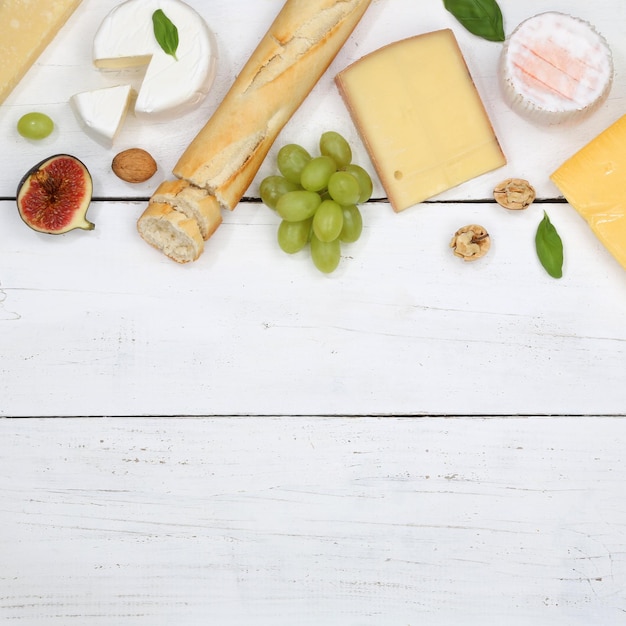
(287, 63)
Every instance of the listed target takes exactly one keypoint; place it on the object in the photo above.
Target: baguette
(295, 52)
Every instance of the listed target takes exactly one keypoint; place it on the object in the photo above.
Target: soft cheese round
(555, 68)
(171, 85)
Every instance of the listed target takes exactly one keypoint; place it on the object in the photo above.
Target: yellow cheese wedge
(420, 116)
(28, 26)
(593, 181)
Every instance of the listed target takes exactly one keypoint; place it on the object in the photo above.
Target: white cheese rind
(171, 86)
(555, 68)
(101, 112)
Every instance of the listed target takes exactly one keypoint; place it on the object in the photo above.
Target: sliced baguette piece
(171, 231)
(194, 202)
(294, 53)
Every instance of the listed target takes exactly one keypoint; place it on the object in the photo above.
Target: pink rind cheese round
(555, 68)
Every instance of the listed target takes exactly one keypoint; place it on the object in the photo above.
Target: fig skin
(54, 195)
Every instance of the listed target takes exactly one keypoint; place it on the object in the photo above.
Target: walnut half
(470, 242)
(514, 193)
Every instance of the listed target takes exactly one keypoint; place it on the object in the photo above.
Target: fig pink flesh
(56, 196)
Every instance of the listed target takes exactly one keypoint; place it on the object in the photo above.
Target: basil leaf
(481, 17)
(549, 247)
(165, 32)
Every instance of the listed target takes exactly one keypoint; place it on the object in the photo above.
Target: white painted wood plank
(313, 521)
(99, 324)
(94, 324)
(65, 68)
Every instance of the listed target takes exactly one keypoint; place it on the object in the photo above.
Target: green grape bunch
(316, 198)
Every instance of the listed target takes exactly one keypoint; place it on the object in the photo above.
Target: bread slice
(194, 202)
(171, 231)
(222, 160)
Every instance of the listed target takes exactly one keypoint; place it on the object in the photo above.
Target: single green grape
(328, 221)
(293, 236)
(291, 160)
(352, 226)
(35, 125)
(344, 188)
(273, 187)
(317, 172)
(325, 254)
(295, 206)
(332, 144)
(364, 180)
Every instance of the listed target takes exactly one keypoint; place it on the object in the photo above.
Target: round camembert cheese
(555, 68)
(172, 85)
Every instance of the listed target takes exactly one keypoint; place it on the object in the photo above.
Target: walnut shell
(514, 194)
(134, 165)
(470, 242)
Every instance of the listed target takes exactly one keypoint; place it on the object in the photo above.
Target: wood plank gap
(510, 416)
(252, 200)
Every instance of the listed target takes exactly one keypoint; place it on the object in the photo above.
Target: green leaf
(165, 32)
(481, 17)
(549, 247)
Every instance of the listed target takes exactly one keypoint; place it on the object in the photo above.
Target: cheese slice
(593, 181)
(171, 85)
(555, 68)
(102, 112)
(420, 117)
(27, 29)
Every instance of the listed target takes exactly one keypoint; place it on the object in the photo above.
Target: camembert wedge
(420, 116)
(593, 181)
(27, 28)
(101, 112)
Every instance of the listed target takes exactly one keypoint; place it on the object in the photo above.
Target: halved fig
(54, 195)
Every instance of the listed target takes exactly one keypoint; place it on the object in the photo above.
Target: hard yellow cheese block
(593, 181)
(28, 26)
(420, 116)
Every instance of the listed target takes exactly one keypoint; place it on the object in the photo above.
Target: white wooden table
(410, 440)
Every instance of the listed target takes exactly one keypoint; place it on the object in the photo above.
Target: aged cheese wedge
(593, 181)
(171, 85)
(420, 117)
(26, 30)
(102, 112)
(555, 68)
